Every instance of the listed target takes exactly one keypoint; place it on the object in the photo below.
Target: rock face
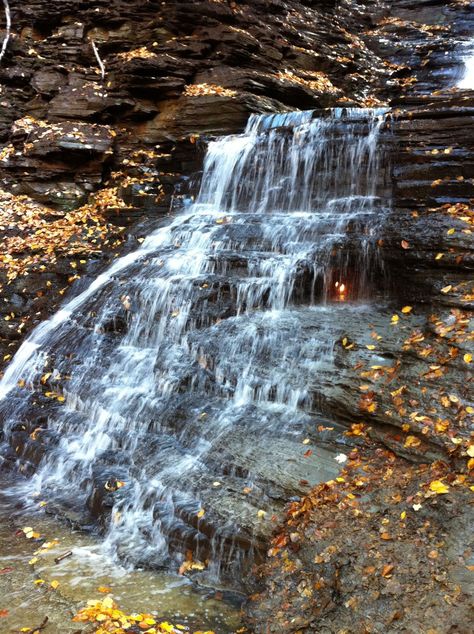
(245, 57)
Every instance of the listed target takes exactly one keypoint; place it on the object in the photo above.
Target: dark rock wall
(269, 55)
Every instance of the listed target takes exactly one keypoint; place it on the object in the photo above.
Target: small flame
(340, 290)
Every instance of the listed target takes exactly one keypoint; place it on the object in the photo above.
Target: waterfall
(466, 82)
(202, 340)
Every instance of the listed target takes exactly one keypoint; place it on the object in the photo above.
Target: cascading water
(186, 354)
(466, 82)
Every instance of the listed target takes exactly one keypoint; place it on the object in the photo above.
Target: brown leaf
(6, 570)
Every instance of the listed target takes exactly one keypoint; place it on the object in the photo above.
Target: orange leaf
(387, 569)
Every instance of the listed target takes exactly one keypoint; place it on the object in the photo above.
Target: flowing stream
(156, 399)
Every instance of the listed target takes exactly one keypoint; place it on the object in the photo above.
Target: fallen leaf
(412, 441)
(439, 487)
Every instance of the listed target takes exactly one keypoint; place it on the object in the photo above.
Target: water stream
(149, 400)
(466, 82)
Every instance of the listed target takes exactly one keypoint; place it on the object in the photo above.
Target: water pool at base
(24, 604)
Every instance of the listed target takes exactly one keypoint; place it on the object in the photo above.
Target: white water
(467, 80)
(213, 336)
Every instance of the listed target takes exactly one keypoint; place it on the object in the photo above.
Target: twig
(97, 56)
(44, 623)
(63, 556)
(8, 28)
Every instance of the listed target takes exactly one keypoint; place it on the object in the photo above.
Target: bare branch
(100, 62)
(8, 29)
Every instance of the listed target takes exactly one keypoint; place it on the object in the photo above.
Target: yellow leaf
(403, 514)
(38, 582)
(470, 451)
(261, 514)
(395, 319)
(439, 256)
(54, 584)
(451, 231)
(166, 627)
(439, 487)
(201, 513)
(104, 589)
(446, 289)
(370, 347)
(412, 441)
(32, 535)
(33, 561)
(467, 357)
(407, 309)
